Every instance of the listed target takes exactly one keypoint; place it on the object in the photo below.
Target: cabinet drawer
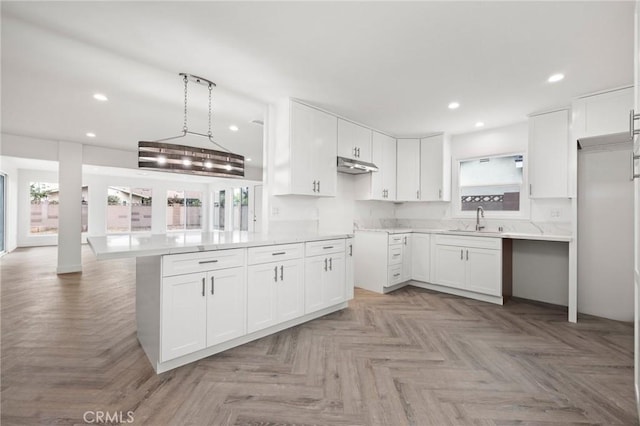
(316, 248)
(477, 242)
(396, 239)
(395, 254)
(275, 253)
(395, 275)
(187, 263)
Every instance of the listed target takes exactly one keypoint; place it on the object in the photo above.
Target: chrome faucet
(479, 212)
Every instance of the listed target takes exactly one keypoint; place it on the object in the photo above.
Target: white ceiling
(391, 65)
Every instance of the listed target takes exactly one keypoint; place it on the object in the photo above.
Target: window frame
(525, 203)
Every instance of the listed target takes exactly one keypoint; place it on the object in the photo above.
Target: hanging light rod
(195, 79)
(181, 158)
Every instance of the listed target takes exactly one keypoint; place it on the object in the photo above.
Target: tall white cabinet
(435, 168)
(408, 170)
(305, 151)
(549, 155)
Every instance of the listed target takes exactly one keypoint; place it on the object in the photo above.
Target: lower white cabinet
(201, 310)
(274, 293)
(468, 263)
(421, 257)
(192, 305)
(324, 281)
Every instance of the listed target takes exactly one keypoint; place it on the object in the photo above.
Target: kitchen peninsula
(198, 294)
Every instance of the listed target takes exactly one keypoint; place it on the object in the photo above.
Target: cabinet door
(349, 273)
(420, 257)
(290, 290)
(388, 165)
(226, 305)
(449, 267)
(261, 296)
(354, 141)
(334, 287)
(408, 170)
(602, 114)
(549, 155)
(314, 271)
(431, 168)
(407, 270)
(314, 151)
(484, 271)
(184, 315)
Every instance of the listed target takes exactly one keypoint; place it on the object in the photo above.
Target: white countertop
(136, 245)
(509, 235)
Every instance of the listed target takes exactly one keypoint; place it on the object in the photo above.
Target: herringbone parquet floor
(411, 357)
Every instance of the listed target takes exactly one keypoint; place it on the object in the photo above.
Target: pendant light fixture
(159, 155)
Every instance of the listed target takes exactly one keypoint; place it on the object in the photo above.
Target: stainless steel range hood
(355, 167)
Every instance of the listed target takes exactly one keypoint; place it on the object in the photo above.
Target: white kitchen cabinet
(379, 260)
(408, 170)
(325, 275)
(468, 263)
(306, 150)
(274, 293)
(226, 305)
(201, 310)
(354, 141)
(421, 257)
(549, 155)
(484, 271)
(448, 265)
(349, 272)
(601, 114)
(380, 185)
(407, 266)
(435, 168)
(184, 315)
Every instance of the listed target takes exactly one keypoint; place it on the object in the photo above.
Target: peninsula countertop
(137, 245)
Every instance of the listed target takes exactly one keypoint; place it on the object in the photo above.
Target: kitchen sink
(473, 232)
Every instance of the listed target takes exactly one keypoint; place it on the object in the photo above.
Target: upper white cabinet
(408, 171)
(380, 185)
(549, 155)
(354, 141)
(435, 168)
(602, 114)
(305, 151)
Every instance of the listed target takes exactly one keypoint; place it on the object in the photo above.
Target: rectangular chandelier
(187, 159)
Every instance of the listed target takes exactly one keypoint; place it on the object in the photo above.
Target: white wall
(11, 202)
(605, 227)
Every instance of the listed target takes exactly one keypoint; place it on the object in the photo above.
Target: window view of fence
(128, 209)
(184, 210)
(45, 206)
(218, 210)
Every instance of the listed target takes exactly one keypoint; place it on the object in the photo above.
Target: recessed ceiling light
(100, 97)
(91, 135)
(248, 159)
(233, 128)
(555, 78)
(479, 124)
(454, 105)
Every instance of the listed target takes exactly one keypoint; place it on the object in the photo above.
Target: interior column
(69, 227)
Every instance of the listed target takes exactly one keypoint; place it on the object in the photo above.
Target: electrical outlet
(275, 211)
(555, 212)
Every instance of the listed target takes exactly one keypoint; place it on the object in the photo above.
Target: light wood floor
(410, 357)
